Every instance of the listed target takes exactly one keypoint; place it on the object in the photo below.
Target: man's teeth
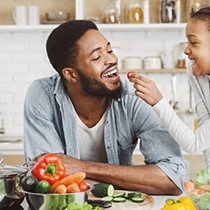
(110, 73)
(192, 62)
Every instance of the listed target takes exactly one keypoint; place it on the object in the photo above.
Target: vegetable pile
(48, 175)
(199, 189)
(107, 193)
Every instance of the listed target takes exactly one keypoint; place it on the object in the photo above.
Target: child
(198, 70)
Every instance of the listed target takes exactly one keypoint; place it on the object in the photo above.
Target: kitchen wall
(23, 59)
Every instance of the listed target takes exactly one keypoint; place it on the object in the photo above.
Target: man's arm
(148, 179)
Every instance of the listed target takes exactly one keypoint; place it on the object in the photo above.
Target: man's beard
(95, 88)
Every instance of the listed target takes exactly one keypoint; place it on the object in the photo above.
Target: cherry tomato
(83, 186)
(129, 74)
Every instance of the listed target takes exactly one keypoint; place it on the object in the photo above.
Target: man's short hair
(62, 48)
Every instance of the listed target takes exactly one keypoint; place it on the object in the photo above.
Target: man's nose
(110, 58)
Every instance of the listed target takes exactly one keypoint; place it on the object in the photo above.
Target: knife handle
(100, 203)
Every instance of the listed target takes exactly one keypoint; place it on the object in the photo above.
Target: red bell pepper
(50, 167)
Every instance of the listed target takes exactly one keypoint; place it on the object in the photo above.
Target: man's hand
(73, 165)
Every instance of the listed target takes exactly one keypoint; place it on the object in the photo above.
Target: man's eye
(110, 51)
(94, 59)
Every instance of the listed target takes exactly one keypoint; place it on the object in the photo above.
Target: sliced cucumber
(137, 199)
(107, 193)
(102, 190)
(133, 194)
(119, 199)
(120, 194)
(107, 198)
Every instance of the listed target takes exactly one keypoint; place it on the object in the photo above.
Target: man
(86, 115)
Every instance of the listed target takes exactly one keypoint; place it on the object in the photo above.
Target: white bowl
(57, 16)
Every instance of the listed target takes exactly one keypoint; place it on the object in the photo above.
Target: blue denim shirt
(49, 126)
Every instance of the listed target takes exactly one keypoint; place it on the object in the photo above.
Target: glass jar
(181, 56)
(134, 12)
(111, 13)
(167, 11)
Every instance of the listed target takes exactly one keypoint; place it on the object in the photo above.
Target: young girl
(198, 70)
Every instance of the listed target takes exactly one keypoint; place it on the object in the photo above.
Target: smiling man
(93, 121)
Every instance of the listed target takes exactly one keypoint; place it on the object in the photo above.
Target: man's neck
(89, 109)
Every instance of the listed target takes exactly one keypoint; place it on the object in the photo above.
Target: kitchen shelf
(27, 28)
(170, 71)
(103, 27)
(142, 27)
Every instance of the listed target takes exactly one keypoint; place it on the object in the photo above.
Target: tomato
(83, 186)
(129, 74)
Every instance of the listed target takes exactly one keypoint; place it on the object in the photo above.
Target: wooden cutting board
(146, 205)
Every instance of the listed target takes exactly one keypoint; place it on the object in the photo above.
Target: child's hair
(202, 14)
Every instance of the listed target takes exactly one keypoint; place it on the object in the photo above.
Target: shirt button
(108, 147)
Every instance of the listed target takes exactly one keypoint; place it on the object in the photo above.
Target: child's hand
(145, 88)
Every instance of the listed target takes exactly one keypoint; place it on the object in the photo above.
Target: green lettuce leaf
(203, 176)
(77, 206)
(203, 202)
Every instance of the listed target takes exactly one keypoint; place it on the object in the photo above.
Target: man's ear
(70, 75)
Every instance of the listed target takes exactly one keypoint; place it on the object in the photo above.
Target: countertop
(159, 202)
(14, 148)
(11, 145)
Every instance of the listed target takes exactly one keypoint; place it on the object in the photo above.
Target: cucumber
(107, 193)
(133, 194)
(102, 190)
(120, 194)
(29, 183)
(119, 199)
(137, 199)
(107, 198)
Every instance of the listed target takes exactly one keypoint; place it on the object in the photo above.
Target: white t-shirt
(91, 140)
